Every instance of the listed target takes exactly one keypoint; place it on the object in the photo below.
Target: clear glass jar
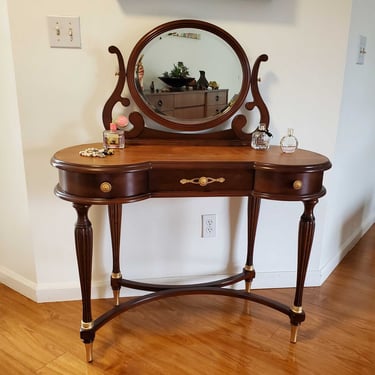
(260, 139)
(113, 138)
(289, 143)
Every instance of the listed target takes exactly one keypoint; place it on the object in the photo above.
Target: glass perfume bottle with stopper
(113, 138)
(260, 139)
(289, 142)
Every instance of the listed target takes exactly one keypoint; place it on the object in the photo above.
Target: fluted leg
(115, 216)
(84, 247)
(252, 222)
(305, 240)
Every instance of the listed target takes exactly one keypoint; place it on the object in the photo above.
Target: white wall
(353, 180)
(17, 267)
(61, 93)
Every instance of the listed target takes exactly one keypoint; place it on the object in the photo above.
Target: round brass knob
(297, 185)
(105, 187)
(203, 181)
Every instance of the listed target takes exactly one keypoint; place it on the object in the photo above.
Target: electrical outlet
(209, 226)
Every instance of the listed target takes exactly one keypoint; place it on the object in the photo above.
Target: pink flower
(122, 121)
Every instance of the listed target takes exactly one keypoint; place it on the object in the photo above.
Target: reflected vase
(202, 83)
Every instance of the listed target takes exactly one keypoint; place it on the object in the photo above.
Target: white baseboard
(18, 283)
(54, 292)
(50, 292)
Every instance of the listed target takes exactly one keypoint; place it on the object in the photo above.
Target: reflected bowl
(177, 82)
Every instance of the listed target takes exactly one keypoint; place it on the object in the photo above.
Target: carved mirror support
(189, 77)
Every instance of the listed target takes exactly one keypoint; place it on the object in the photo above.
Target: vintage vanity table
(179, 157)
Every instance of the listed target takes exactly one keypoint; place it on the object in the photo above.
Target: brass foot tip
(294, 333)
(248, 286)
(116, 296)
(89, 352)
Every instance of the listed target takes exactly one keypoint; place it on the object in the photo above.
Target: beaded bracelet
(96, 152)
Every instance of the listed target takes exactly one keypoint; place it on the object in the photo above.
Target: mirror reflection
(188, 73)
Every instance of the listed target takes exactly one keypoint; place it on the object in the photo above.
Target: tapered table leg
(84, 247)
(115, 215)
(252, 222)
(305, 240)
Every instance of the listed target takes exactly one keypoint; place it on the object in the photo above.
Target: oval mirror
(188, 75)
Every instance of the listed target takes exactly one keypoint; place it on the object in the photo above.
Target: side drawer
(287, 186)
(162, 102)
(216, 97)
(107, 186)
(213, 110)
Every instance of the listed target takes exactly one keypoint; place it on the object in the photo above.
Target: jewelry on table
(96, 152)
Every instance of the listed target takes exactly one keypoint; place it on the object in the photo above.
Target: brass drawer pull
(297, 185)
(202, 181)
(105, 187)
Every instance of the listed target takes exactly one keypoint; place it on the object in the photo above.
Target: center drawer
(189, 99)
(200, 181)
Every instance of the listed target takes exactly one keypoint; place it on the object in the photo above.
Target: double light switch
(64, 31)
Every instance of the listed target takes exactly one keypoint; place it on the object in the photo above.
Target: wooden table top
(140, 154)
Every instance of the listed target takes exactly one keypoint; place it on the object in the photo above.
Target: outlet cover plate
(209, 226)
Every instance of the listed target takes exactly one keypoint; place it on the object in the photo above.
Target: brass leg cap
(89, 352)
(248, 286)
(293, 333)
(116, 296)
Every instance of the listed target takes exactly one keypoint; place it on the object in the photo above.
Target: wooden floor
(204, 334)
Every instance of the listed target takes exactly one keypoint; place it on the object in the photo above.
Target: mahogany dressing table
(186, 158)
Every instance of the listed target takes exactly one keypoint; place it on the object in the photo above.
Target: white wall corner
(345, 248)
(18, 283)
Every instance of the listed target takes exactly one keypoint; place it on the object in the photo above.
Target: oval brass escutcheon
(202, 181)
(105, 187)
(297, 185)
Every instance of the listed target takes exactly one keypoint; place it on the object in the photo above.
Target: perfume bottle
(260, 139)
(113, 138)
(289, 143)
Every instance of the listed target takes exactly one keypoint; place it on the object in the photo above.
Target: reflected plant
(178, 71)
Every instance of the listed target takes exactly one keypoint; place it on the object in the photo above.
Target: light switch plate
(64, 31)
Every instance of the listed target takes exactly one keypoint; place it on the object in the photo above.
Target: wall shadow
(280, 11)
(353, 228)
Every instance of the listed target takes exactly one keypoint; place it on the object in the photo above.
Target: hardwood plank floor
(203, 334)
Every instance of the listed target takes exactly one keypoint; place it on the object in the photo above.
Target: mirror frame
(174, 123)
(197, 131)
